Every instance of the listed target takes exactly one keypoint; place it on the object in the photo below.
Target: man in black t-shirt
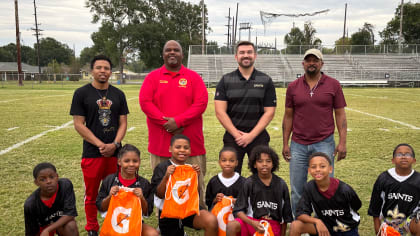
(245, 102)
(99, 113)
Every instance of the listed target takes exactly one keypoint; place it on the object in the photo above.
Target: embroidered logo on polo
(183, 83)
(258, 85)
(104, 111)
(163, 81)
(120, 220)
(180, 191)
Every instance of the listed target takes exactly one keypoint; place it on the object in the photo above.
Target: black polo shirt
(246, 99)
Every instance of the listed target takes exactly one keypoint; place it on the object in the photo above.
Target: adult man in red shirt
(174, 98)
(310, 102)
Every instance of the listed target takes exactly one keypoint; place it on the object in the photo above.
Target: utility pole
(236, 25)
(401, 24)
(203, 28)
(228, 33)
(19, 63)
(37, 34)
(345, 18)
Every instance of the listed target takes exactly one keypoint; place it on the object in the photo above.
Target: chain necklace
(311, 91)
(103, 101)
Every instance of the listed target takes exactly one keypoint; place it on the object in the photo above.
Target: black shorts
(171, 226)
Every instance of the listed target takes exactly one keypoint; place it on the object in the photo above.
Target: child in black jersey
(52, 207)
(395, 196)
(335, 203)
(264, 196)
(180, 150)
(127, 176)
(226, 183)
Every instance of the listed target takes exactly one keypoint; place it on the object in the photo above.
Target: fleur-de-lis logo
(341, 227)
(395, 214)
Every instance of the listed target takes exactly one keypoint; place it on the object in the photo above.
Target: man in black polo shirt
(245, 103)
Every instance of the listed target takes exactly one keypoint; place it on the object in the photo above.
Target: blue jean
(298, 167)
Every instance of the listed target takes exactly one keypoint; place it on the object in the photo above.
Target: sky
(70, 21)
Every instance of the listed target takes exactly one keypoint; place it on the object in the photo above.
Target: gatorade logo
(224, 216)
(180, 191)
(120, 220)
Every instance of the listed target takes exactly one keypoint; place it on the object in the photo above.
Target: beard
(311, 72)
(241, 64)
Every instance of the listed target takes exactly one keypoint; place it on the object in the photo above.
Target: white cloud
(70, 21)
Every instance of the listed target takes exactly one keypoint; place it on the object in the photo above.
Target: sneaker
(92, 233)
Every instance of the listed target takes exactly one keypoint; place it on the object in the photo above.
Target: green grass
(35, 108)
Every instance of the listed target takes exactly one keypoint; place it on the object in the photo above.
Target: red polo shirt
(181, 95)
(313, 118)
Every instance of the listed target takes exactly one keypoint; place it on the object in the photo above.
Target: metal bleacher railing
(378, 65)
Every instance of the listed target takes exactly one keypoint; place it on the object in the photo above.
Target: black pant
(262, 139)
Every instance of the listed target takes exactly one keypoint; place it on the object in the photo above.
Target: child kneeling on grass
(180, 151)
(395, 196)
(127, 176)
(51, 208)
(264, 196)
(335, 203)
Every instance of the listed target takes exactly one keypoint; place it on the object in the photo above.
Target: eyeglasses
(408, 155)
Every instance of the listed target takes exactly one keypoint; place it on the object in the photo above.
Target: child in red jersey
(127, 176)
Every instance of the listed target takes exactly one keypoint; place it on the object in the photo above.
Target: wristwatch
(118, 145)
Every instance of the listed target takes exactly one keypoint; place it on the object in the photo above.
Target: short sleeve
(69, 200)
(339, 100)
(287, 208)
(270, 99)
(304, 205)
(241, 204)
(220, 91)
(31, 225)
(289, 97)
(77, 107)
(124, 107)
(375, 199)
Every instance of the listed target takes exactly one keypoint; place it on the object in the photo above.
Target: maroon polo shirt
(313, 118)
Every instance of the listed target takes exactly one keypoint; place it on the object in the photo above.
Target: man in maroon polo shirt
(310, 103)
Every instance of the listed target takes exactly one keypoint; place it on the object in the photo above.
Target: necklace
(103, 101)
(311, 91)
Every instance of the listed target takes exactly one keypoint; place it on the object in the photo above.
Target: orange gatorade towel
(268, 231)
(386, 230)
(223, 211)
(124, 215)
(181, 196)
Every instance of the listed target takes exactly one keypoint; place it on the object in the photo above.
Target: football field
(36, 127)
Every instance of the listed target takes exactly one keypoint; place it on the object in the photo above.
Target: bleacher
(376, 69)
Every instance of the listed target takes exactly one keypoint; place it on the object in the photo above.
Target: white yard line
(383, 97)
(131, 129)
(385, 118)
(132, 98)
(34, 138)
(17, 99)
(12, 128)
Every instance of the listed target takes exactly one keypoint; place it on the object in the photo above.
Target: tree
(143, 26)
(364, 36)
(52, 49)
(411, 25)
(343, 46)
(8, 54)
(117, 19)
(86, 55)
(305, 39)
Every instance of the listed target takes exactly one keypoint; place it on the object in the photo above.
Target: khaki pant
(200, 160)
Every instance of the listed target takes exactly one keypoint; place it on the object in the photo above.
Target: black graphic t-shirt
(101, 114)
(38, 215)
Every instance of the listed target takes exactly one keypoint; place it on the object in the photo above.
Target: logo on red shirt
(183, 82)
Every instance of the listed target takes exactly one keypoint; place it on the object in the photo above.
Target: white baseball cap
(315, 52)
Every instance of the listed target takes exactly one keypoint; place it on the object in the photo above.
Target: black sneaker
(92, 233)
